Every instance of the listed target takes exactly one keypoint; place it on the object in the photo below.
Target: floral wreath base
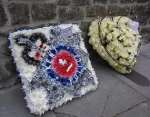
(117, 40)
(53, 64)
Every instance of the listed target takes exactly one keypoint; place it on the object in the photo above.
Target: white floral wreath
(117, 40)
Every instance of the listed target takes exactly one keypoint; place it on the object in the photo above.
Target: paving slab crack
(16, 82)
(18, 85)
(125, 82)
(107, 99)
(61, 114)
(105, 105)
(130, 108)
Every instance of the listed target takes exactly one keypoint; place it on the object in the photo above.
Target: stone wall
(16, 13)
(20, 13)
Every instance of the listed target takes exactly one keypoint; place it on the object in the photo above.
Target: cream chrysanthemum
(116, 40)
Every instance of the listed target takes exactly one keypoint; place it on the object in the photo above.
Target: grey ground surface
(117, 95)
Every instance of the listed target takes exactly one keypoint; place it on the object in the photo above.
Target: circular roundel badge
(64, 64)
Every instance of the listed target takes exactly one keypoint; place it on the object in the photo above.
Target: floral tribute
(53, 65)
(117, 40)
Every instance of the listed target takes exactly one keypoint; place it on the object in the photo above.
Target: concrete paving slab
(12, 104)
(145, 51)
(8, 75)
(141, 110)
(110, 98)
(139, 79)
(116, 94)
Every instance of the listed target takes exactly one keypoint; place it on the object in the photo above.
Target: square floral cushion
(53, 64)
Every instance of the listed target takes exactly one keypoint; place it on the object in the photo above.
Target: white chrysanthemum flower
(116, 40)
(37, 100)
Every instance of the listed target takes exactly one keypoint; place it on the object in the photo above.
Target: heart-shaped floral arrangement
(53, 64)
(117, 40)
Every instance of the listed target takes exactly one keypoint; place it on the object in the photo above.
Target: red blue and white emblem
(64, 64)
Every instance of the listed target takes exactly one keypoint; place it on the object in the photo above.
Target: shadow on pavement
(138, 78)
(134, 76)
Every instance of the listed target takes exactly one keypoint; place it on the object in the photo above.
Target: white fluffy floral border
(33, 51)
(117, 40)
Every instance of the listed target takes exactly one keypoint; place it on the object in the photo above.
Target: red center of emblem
(64, 64)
